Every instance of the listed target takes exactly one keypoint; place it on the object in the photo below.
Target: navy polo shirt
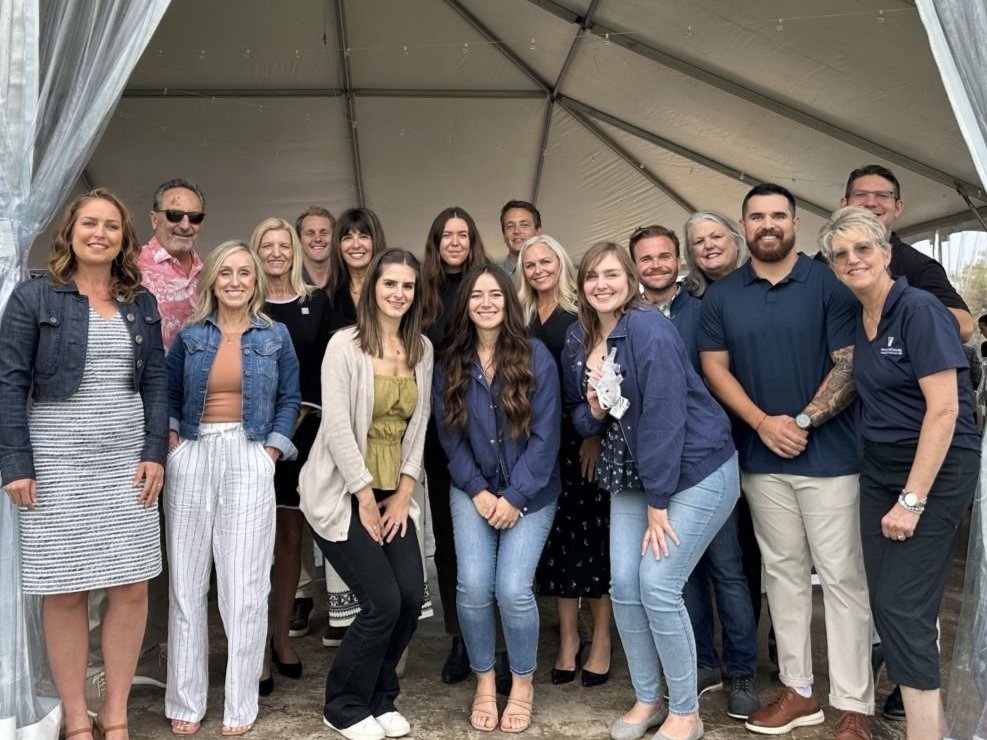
(916, 337)
(780, 338)
(685, 310)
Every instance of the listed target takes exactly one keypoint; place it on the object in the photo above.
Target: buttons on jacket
(53, 320)
(139, 339)
(130, 318)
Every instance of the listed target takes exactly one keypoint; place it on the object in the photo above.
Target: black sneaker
(298, 627)
(743, 697)
(457, 666)
(894, 707)
(708, 679)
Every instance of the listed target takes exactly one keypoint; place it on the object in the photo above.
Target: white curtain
(957, 31)
(63, 66)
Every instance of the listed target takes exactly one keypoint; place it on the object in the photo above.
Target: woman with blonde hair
(83, 435)
(305, 313)
(575, 563)
(233, 402)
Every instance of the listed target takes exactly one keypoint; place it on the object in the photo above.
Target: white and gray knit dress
(89, 530)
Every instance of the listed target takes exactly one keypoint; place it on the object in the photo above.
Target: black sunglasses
(175, 217)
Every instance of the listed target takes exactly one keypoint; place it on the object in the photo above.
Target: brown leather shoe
(853, 726)
(788, 710)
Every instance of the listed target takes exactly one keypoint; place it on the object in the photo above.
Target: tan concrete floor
(439, 712)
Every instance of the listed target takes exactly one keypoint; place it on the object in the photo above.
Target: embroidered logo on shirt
(890, 350)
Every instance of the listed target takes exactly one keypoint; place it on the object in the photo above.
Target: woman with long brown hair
(356, 491)
(498, 413)
(453, 247)
(83, 437)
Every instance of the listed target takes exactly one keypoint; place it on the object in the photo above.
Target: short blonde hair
(565, 291)
(298, 284)
(853, 218)
(207, 280)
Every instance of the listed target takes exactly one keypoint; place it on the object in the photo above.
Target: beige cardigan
(335, 468)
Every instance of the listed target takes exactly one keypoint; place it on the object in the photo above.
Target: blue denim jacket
(485, 455)
(43, 342)
(271, 397)
(677, 434)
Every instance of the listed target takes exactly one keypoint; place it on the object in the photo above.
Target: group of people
(606, 432)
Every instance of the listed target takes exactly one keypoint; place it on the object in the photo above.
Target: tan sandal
(184, 727)
(81, 731)
(236, 731)
(105, 730)
(516, 721)
(480, 718)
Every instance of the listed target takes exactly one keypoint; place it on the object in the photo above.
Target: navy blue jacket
(271, 398)
(477, 454)
(676, 433)
(43, 343)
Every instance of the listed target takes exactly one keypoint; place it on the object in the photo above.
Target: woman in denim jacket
(498, 415)
(669, 463)
(83, 429)
(233, 404)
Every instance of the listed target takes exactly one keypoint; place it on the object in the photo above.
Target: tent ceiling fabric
(453, 103)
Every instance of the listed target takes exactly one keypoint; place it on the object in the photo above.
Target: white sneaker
(394, 724)
(365, 729)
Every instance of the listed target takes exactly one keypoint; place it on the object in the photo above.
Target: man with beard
(776, 344)
(655, 251)
(314, 226)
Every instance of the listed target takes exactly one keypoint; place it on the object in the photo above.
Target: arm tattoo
(837, 390)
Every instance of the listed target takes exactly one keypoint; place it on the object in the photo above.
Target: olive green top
(394, 403)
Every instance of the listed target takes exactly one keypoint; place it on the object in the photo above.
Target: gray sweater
(335, 468)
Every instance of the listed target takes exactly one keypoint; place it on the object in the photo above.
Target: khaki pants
(802, 521)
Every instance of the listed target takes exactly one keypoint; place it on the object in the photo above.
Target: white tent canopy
(609, 114)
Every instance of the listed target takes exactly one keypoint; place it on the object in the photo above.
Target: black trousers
(751, 553)
(907, 579)
(388, 582)
(437, 471)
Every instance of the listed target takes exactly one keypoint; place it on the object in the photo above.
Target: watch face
(802, 421)
(911, 499)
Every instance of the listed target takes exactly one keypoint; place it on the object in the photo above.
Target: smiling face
(315, 236)
(395, 291)
(454, 244)
(357, 249)
(274, 253)
(518, 225)
(606, 286)
(656, 262)
(486, 304)
(859, 263)
(235, 281)
(769, 227)
(877, 195)
(714, 249)
(177, 238)
(97, 235)
(541, 268)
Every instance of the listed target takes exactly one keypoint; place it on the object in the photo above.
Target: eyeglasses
(881, 196)
(175, 217)
(842, 256)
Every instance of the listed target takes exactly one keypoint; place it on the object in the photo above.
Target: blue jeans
(498, 564)
(723, 564)
(648, 607)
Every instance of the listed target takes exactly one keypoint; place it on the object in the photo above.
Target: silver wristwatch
(803, 421)
(910, 502)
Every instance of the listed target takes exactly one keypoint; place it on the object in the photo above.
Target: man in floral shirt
(169, 263)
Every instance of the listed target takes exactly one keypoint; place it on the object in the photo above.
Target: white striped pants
(219, 507)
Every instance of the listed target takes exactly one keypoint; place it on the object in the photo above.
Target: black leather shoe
(894, 707)
(561, 675)
(502, 673)
(288, 670)
(590, 679)
(265, 686)
(457, 666)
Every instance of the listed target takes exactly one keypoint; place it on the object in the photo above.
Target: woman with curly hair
(498, 413)
(83, 437)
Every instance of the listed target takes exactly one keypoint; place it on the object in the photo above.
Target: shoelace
(743, 684)
(99, 683)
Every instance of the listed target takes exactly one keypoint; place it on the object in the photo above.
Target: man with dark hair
(876, 188)
(776, 344)
(655, 252)
(314, 227)
(169, 264)
(519, 221)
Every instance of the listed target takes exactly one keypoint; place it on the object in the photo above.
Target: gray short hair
(178, 182)
(852, 218)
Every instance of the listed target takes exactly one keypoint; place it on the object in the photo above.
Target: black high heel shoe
(265, 687)
(590, 679)
(288, 670)
(561, 676)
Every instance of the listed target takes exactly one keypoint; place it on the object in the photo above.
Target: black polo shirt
(915, 338)
(780, 338)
